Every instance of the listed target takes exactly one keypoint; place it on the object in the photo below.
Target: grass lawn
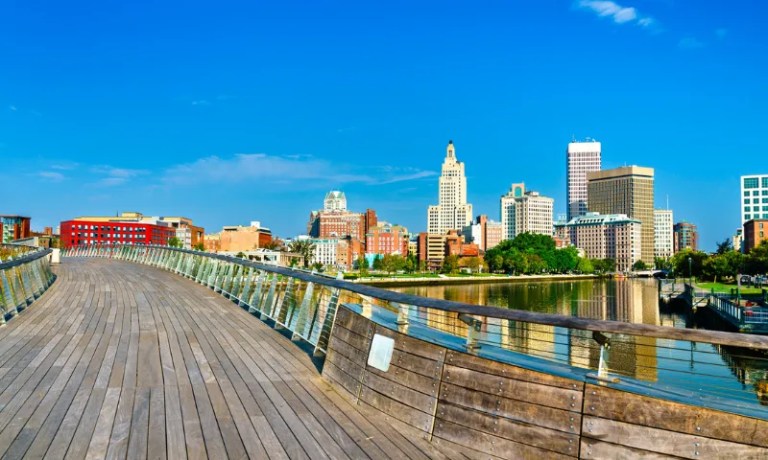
(726, 288)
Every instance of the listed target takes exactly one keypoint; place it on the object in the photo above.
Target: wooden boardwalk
(120, 360)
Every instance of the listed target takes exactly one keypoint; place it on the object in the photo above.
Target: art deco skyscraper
(582, 157)
(452, 211)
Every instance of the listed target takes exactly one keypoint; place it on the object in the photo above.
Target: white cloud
(689, 43)
(298, 171)
(51, 176)
(201, 102)
(620, 14)
(115, 176)
(13, 108)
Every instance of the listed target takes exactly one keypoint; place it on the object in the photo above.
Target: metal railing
(679, 364)
(24, 275)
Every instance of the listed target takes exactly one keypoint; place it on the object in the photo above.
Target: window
(750, 182)
(747, 217)
(746, 193)
(747, 208)
(746, 200)
(765, 182)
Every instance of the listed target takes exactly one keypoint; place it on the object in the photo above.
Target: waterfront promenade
(120, 360)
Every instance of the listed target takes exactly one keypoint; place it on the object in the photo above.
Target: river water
(723, 373)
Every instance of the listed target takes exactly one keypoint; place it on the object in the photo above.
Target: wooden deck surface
(120, 360)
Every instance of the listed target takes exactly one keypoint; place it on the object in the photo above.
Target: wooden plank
(665, 441)
(525, 433)
(156, 443)
(490, 444)
(396, 409)
(486, 366)
(354, 340)
(415, 381)
(402, 393)
(412, 345)
(100, 439)
(592, 449)
(543, 395)
(513, 409)
(667, 415)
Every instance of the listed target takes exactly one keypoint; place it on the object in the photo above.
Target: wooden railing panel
(501, 369)
(510, 388)
(658, 413)
(518, 410)
(667, 442)
(592, 449)
(492, 445)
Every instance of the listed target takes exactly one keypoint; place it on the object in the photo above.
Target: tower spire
(449, 151)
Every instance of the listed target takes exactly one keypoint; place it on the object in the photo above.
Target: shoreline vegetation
(429, 279)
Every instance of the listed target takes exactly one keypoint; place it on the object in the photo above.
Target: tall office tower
(663, 233)
(582, 157)
(627, 190)
(523, 211)
(452, 211)
(754, 197)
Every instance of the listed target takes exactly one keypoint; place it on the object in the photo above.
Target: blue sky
(231, 112)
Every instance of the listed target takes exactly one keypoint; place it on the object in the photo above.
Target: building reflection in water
(634, 301)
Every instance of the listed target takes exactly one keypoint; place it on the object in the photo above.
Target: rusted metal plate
(657, 413)
(491, 444)
(486, 366)
(505, 387)
(667, 442)
(515, 410)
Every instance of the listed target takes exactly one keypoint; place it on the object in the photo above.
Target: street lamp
(690, 270)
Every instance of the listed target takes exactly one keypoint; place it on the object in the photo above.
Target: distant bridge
(125, 358)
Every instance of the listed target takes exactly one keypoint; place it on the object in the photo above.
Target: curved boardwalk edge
(124, 361)
(485, 408)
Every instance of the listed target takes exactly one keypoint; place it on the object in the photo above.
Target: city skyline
(134, 108)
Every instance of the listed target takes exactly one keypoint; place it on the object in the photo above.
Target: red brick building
(14, 228)
(755, 232)
(385, 238)
(85, 232)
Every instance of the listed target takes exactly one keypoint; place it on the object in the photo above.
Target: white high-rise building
(582, 157)
(523, 211)
(754, 197)
(452, 211)
(663, 240)
(335, 201)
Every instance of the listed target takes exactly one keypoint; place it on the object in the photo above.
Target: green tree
(683, 268)
(318, 267)
(304, 248)
(639, 266)
(198, 247)
(662, 263)
(724, 246)
(174, 242)
(378, 262)
(411, 263)
(275, 244)
(585, 266)
(756, 261)
(362, 265)
(240, 255)
(451, 264)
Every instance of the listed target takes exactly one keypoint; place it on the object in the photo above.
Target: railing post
(286, 303)
(330, 317)
(602, 368)
(474, 328)
(266, 309)
(254, 303)
(301, 316)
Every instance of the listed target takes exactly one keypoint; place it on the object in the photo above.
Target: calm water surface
(738, 375)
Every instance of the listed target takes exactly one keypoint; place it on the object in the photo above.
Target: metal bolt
(592, 408)
(698, 428)
(594, 392)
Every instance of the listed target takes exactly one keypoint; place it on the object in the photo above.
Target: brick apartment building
(14, 228)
